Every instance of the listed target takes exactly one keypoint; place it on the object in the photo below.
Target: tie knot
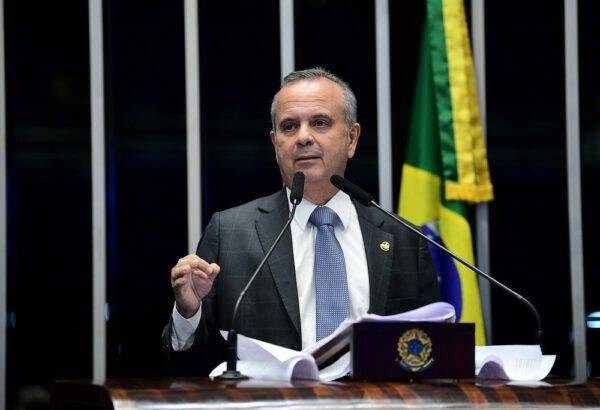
(323, 215)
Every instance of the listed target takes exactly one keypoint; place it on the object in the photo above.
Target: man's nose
(305, 136)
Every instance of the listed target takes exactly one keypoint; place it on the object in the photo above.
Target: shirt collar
(340, 203)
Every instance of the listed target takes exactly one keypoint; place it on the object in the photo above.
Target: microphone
(297, 190)
(366, 199)
(231, 373)
(352, 190)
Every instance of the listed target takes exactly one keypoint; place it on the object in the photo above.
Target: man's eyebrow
(287, 119)
(321, 115)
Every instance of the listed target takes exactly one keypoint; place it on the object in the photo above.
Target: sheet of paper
(434, 312)
(296, 368)
(529, 384)
(504, 351)
(257, 350)
(523, 363)
(302, 368)
(546, 366)
(266, 361)
(257, 370)
(336, 370)
(493, 369)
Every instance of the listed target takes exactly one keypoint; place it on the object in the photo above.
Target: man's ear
(353, 136)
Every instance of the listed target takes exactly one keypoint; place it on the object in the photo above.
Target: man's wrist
(183, 330)
(187, 313)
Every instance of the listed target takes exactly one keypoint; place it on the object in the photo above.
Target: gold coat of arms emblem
(414, 349)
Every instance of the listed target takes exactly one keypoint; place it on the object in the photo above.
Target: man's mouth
(306, 161)
(307, 158)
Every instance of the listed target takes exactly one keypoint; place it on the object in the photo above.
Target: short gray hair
(348, 98)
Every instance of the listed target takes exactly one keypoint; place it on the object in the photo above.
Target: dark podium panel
(413, 350)
(202, 393)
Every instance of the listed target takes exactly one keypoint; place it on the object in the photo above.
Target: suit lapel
(379, 261)
(272, 216)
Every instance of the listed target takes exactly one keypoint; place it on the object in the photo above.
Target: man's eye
(288, 126)
(320, 123)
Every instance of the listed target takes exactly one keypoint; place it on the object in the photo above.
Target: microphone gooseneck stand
(231, 373)
(367, 199)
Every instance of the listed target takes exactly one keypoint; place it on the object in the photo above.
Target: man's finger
(179, 283)
(200, 274)
(215, 270)
(188, 258)
(179, 271)
(193, 260)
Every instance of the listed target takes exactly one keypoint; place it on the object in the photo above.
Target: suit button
(296, 347)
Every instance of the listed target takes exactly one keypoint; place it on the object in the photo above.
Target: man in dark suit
(338, 258)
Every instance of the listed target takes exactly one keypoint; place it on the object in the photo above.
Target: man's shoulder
(249, 209)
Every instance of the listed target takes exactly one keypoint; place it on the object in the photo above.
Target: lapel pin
(384, 246)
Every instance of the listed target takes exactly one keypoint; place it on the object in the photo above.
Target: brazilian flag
(446, 166)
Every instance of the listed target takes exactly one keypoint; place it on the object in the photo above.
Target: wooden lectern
(202, 393)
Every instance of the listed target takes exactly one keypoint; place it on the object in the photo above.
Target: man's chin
(311, 177)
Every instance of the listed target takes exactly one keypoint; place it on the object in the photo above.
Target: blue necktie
(331, 285)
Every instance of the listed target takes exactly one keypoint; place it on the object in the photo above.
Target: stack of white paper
(521, 363)
(266, 361)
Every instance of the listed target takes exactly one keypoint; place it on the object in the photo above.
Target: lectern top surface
(203, 392)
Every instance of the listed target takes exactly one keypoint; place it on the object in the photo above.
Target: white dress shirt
(304, 234)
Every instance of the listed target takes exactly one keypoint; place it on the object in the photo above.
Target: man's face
(310, 131)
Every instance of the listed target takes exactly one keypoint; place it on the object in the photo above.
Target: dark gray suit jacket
(237, 239)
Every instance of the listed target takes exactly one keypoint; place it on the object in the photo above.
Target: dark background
(527, 153)
(49, 160)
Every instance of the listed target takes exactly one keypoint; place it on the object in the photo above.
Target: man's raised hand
(191, 280)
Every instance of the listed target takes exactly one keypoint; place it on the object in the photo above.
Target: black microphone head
(354, 191)
(297, 188)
